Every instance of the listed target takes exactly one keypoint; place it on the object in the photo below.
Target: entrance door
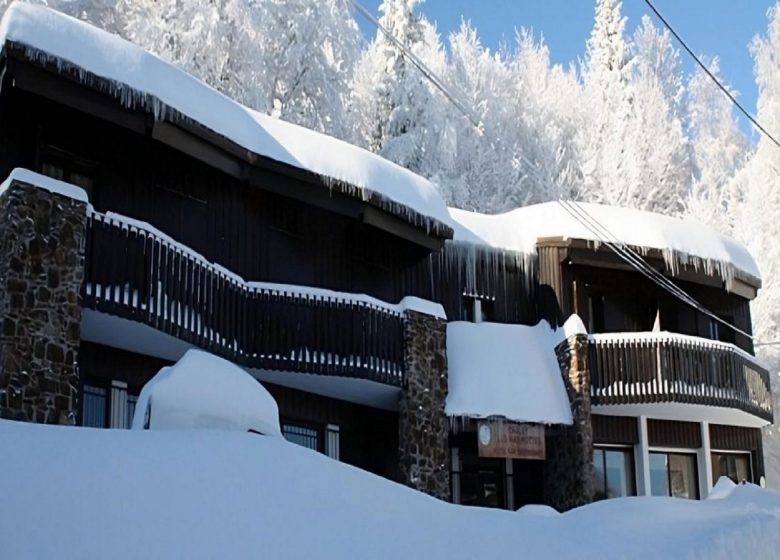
(482, 481)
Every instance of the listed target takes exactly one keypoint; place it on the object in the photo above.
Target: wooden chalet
(334, 289)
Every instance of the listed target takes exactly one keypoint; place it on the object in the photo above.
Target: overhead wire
(571, 207)
(712, 76)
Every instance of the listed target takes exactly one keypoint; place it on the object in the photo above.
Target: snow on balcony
(681, 242)
(506, 370)
(139, 78)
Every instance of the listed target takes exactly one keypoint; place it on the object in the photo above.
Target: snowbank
(507, 370)
(123, 494)
(203, 391)
(682, 242)
(137, 74)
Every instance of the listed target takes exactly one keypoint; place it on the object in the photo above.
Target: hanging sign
(511, 441)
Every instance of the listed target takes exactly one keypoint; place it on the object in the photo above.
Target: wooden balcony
(135, 272)
(642, 368)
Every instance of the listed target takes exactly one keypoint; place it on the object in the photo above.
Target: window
(614, 472)
(95, 409)
(132, 400)
(736, 466)
(673, 474)
(478, 310)
(65, 166)
(301, 435)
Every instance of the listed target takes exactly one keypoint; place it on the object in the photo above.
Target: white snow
(125, 494)
(505, 370)
(45, 183)
(108, 56)
(203, 391)
(680, 241)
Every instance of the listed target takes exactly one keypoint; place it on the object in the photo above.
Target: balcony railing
(135, 272)
(639, 368)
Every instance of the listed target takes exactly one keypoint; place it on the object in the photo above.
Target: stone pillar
(41, 271)
(424, 455)
(569, 477)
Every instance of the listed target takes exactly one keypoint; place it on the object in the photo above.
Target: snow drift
(203, 391)
(125, 494)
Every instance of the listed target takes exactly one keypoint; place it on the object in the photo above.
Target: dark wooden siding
(737, 438)
(672, 433)
(368, 437)
(614, 430)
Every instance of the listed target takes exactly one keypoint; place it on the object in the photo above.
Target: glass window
(132, 400)
(301, 435)
(673, 474)
(95, 410)
(736, 466)
(614, 472)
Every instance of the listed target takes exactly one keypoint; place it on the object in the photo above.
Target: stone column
(41, 271)
(424, 454)
(569, 477)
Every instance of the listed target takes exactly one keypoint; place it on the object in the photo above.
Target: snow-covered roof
(141, 79)
(507, 370)
(203, 391)
(682, 242)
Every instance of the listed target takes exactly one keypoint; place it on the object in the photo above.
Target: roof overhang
(70, 85)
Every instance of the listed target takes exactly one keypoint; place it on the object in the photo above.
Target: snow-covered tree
(394, 105)
(757, 222)
(101, 13)
(606, 73)
(657, 149)
(719, 150)
(289, 58)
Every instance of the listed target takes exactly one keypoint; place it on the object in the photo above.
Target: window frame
(688, 452)
(318, 430)
(740, 452)
(631, 462)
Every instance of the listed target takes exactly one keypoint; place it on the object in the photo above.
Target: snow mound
(136, 74)
(91, 494)
(682, 242)
(46, 183)
(203, 391)
(722, 489)
(505, 370)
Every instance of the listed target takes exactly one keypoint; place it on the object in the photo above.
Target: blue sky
(712, 27)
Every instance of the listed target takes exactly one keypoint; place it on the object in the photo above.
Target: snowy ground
(85, 493)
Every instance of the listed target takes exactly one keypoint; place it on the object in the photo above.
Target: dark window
(736, 466)
(482, 481)
(719, 331)
(95, 410)
(614, 472)
(673, 474)
(65, 166)
(302, 435)
(486, 306)
(132, 400)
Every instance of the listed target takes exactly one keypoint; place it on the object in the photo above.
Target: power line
(579, 214)
(712, 76)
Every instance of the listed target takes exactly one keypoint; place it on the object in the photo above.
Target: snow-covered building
(145, 214)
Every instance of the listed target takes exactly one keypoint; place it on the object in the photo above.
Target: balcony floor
(132, 336)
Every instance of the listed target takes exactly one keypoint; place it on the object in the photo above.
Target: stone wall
(41, 271)
(424, 457)
(569, 476)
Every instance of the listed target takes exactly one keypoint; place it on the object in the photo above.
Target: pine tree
(393, 103)
(606, 73)
(719, 152)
